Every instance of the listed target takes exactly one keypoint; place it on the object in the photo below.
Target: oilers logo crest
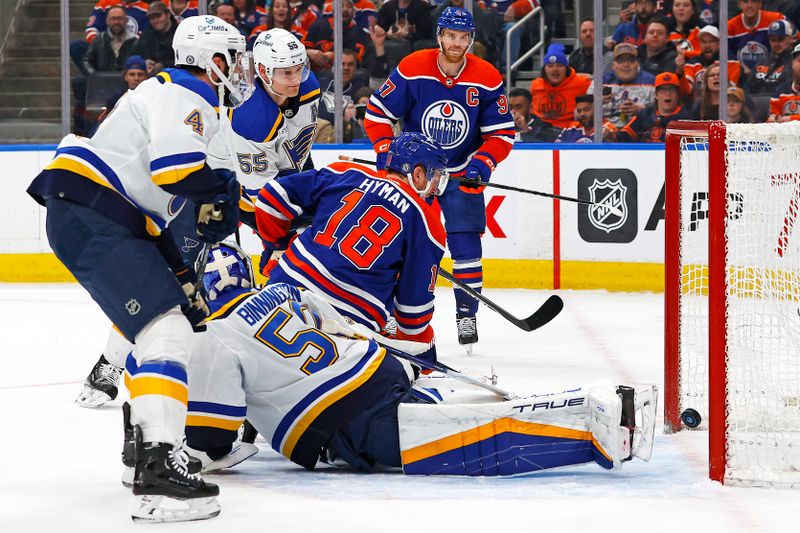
(752, 53)
(791, 107)
(446, 122)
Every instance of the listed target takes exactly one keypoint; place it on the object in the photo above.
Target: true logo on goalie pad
(608, 188)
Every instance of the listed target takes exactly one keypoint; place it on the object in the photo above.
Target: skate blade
(163, 509)
(127, 477)
(468, 348)
(92, 398)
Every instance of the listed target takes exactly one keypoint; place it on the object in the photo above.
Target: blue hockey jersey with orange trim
(373, 244)
(137, 17)
(750, 44)
(465, 114)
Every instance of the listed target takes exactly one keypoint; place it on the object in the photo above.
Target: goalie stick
(466, 181)
(546, 312)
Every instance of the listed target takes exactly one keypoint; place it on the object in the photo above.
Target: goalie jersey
(465, 114)
(263, 350)
(258, 140)
(146, 157)
(373, 245)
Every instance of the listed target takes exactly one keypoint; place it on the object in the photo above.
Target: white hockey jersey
(264, 358)
(155, 137)
(258, 140)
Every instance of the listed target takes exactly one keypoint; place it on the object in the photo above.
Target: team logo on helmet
(446, 122)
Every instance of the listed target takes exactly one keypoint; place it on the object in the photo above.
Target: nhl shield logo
(608, 193)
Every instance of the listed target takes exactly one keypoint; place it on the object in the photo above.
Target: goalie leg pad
(514, 437)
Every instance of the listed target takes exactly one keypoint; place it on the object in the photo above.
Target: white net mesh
(762, 304)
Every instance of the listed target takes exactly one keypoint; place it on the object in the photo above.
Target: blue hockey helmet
(410, 149)
(455, 18)
(228, 266)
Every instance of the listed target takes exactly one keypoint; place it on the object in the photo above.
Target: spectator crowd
(660, 63)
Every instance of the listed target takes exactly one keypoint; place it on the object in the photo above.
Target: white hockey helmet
(278, 48)
(198, 39)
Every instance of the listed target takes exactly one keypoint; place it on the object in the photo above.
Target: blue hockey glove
(220, 217)
(480, 170)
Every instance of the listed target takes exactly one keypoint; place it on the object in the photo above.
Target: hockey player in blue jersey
(319, 387)
(458, 100)
(110, 200)
(374, 243)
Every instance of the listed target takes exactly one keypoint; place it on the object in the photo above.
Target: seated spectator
(248, 15)
(635, 30)
(529, 128)
(224, 11)
(686, 26)
(708, 12)
(785, 103)
(352, 82)
(657, 54)
(408, 20)
(181, 9)
(110, 49)
(135, 73)
(304, 14)
(626, 89)
(777, 66)
(136, 10)
(738, 112)
(650, 124)
(555, 91)
(319, 41)
(582, 129)
(582, 58)
(279, 15)
(155, 44)
(694, 71)
(366, 12)
(747, 33)
(707, 107)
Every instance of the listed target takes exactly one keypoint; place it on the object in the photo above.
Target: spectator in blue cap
(555, 92)
(135, 73)
(776, 67)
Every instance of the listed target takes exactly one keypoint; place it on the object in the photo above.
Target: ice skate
(100, 385)
(467, 331)
(167, 491)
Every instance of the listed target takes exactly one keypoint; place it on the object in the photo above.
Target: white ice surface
(60, 466)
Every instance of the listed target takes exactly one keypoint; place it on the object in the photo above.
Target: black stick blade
(547, 312)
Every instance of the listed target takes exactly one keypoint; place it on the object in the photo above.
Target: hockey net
(732, 295)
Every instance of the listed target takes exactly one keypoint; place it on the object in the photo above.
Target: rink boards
(530, 241)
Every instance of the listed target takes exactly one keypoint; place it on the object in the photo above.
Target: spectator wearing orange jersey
(366, 12)
(694, 71)
(319, 41)
(279, 15)
(747, 32)
(785, 104)
(581, 130)
(553, 94)
(685, 27)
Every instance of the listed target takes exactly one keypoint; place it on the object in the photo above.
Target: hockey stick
(448, 371)
(467, 181)
(546, 312)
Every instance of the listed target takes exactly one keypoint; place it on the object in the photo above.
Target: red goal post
(731, 319)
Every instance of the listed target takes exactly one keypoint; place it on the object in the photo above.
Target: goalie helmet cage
(732, 295)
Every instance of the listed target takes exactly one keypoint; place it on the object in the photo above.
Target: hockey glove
(479, 170)
(195, 309)
(273, 252)
(220, 217)
(382, 149)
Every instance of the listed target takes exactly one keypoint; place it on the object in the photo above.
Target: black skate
(467, 331)
(129, 450)
(100, 385)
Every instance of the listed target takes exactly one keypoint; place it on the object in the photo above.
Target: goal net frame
(718, 270)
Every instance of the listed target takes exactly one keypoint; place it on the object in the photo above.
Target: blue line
(28, 147)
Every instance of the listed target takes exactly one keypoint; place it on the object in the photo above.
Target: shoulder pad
(187, 81)
(258, 119)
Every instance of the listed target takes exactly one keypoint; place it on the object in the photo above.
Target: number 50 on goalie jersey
(373, 245)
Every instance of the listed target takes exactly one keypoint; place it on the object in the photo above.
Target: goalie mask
(228, 266)
(411, 149)
(199, 39)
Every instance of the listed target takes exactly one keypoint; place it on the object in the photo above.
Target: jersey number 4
(363, 242)
(317, 348)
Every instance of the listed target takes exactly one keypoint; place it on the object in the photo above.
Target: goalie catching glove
(220, 217)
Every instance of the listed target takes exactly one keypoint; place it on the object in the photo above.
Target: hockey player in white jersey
(268, 135)
(110, 200)
(313, 385)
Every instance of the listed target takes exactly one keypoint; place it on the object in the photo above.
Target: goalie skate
(100, 385)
